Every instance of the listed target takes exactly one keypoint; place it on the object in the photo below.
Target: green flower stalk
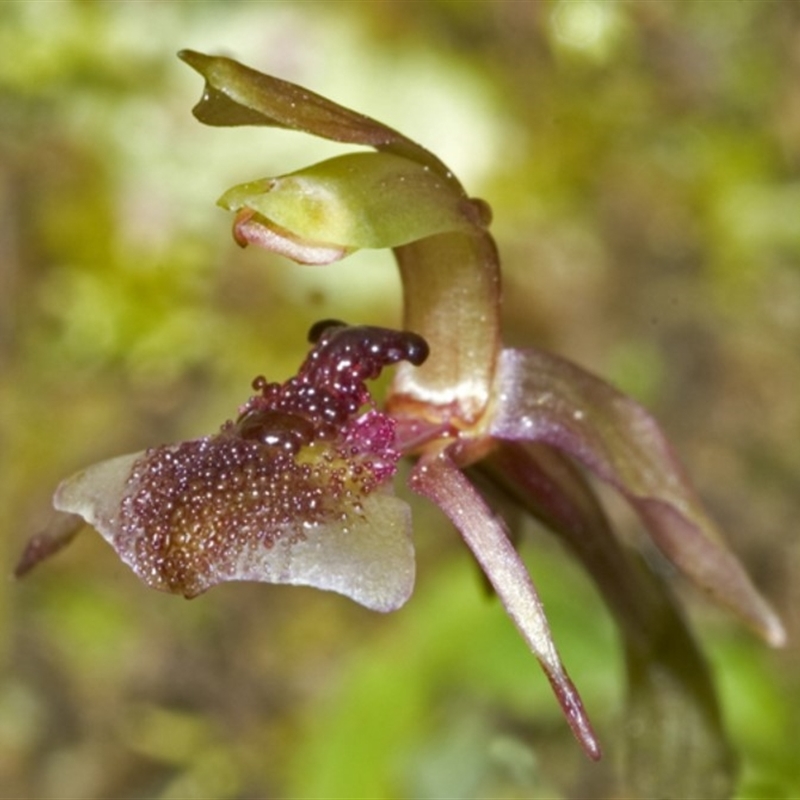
(298, 488)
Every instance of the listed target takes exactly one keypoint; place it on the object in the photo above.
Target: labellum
(296, 490)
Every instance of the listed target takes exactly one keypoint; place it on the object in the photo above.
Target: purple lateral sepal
(541, 397)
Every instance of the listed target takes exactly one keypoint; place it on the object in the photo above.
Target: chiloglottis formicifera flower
(298, 489)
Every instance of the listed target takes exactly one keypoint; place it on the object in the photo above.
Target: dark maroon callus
(329, 388)
(285, 432)
(360, 353)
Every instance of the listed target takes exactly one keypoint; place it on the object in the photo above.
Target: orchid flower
(297, 488)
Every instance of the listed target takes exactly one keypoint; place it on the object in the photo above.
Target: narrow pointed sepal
(57, 534)
(439, 479)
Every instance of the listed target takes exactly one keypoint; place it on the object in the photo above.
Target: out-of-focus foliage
(643, 163)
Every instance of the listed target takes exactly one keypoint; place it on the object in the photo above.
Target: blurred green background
(643, 163)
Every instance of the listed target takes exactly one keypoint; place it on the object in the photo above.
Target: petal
(541, 397)
(359, 200)
(363, 552)
(438, 479)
